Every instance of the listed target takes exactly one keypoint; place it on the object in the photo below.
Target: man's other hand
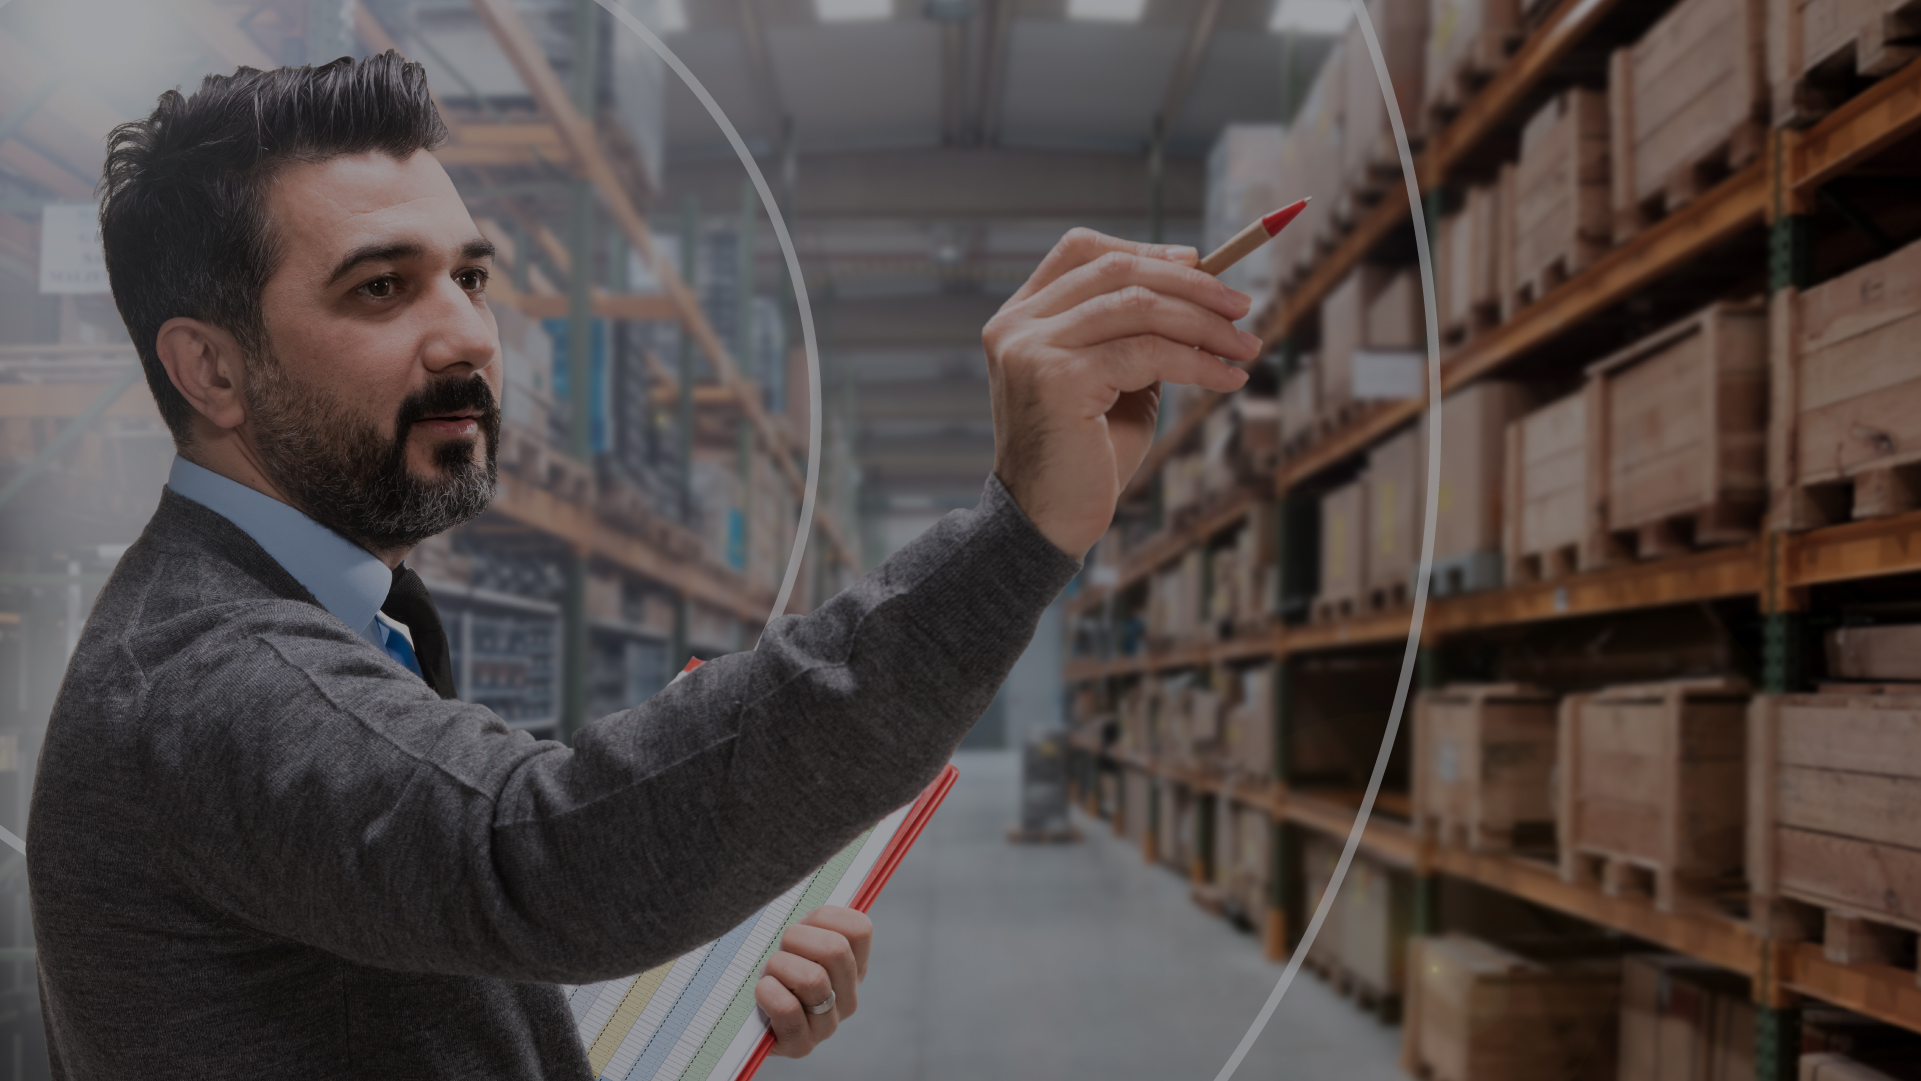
(1076, 360)
(822, 956)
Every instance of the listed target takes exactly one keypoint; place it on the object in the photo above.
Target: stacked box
(1684, 1020)
(1467, 41)
(1244, 871)
(1370, 161)
(1557, 195)
(1257, 552)
(1137, 809)
(1396, 482)
(1319, 856)
(1181, 485)
(1300, 402)
(1343, 552)
(1377, 906)
(1175, 599)
(1310, 165)
(1476, 1012)
(1545, 516)
(1652, 784)
(1243, 183)
(1472, 269)
(1845, 422)
(1372, 339)
(1688, 103)
(1467, 530)
(1832, 781)
(1817, 50)
(1677, 430)
(1249, 724)
(1484, 759)
(1885, 652)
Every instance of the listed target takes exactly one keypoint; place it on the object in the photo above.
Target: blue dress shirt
(344, 577)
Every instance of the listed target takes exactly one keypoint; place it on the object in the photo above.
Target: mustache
(449, 396)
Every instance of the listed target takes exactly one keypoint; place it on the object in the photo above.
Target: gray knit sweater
(259, 848)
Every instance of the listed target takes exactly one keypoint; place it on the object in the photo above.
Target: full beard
(337, 467)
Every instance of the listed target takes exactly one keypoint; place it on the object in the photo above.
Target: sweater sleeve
(320, 793)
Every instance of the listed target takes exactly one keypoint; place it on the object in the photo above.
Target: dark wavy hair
(183, 194)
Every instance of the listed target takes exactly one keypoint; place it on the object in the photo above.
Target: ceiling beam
(953, 182)
(1000, 17)
(1200, 33)
(760, 62)
(530, 61)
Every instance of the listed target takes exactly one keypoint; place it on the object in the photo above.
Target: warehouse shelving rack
(1771, 200)
(53, 141)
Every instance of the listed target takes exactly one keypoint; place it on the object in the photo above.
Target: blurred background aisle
(997, 960)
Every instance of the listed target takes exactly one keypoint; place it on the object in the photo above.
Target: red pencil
(1257, 233)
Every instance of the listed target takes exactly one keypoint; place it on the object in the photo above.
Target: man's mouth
(457, 423)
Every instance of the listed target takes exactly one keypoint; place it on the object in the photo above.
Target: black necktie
(408, 603)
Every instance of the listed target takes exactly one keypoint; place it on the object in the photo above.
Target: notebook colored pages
(694, 1018)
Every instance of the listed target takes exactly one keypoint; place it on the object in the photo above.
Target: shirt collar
(345, 578)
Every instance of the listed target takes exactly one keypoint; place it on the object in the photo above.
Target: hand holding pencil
(1077, 356)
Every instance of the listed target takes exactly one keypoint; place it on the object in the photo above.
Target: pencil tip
(1278, 220)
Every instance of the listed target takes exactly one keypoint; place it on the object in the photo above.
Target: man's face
(375, 407)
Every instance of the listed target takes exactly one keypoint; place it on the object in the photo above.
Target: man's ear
(206, 366)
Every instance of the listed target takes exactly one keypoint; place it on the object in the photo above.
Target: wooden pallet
(1844, 434)
(1820, 50)
(1687, 106)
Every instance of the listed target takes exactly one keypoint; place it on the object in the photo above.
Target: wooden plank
(1384, 839)
(1724, 941)
(1854, 550)
(1883, 115)
(1882, 992)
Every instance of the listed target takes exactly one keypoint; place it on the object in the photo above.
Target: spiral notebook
(694, 1018)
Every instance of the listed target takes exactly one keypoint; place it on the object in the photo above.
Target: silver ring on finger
(822, 1006)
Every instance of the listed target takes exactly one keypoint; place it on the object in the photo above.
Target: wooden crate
(1319, 855)
(1174, 825)
(1370, 163)
(1137, 810)
(1833, 1066)
(1845, 420)
(1374, 309)
(1688, 104)
(1818, 50)
(1684, 1019)
(1467, 42)
(1245, 871)
(1300, 406)
(1544, 518)
(1395, 479)
(1249, 724)
(1650, 791)
(1885, 652)
(1677, 437)
(1377, 909)
(1557, 195)
(1472, 261)
(1834, 785)
(1343, 590)
(1467, 529)
(1484, 757)
(1476, 1012)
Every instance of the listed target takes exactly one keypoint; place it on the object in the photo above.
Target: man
(267, 841)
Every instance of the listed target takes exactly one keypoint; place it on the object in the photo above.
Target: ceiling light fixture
(1324, 17)
(1106, 11)
(849, 11)
(673, 16)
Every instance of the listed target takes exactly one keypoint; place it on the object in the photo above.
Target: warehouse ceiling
(935, 154)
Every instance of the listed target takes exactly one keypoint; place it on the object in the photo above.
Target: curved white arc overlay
(1429, 517)
(812, 486)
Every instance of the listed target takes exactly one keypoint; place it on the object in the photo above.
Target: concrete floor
(994, 961)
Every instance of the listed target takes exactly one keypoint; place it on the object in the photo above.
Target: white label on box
(1380, 374)
(70, 256)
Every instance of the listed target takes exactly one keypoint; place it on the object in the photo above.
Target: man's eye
(380, 288)
(472, 280)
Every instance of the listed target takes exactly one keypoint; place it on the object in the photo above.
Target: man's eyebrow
(477, 248)
(374, 253)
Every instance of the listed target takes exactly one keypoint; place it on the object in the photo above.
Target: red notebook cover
(890, 857)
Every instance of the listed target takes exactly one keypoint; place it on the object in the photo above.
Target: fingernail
(1252, 341)
(1179, 253)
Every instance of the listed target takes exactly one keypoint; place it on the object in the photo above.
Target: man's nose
(458, 333)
